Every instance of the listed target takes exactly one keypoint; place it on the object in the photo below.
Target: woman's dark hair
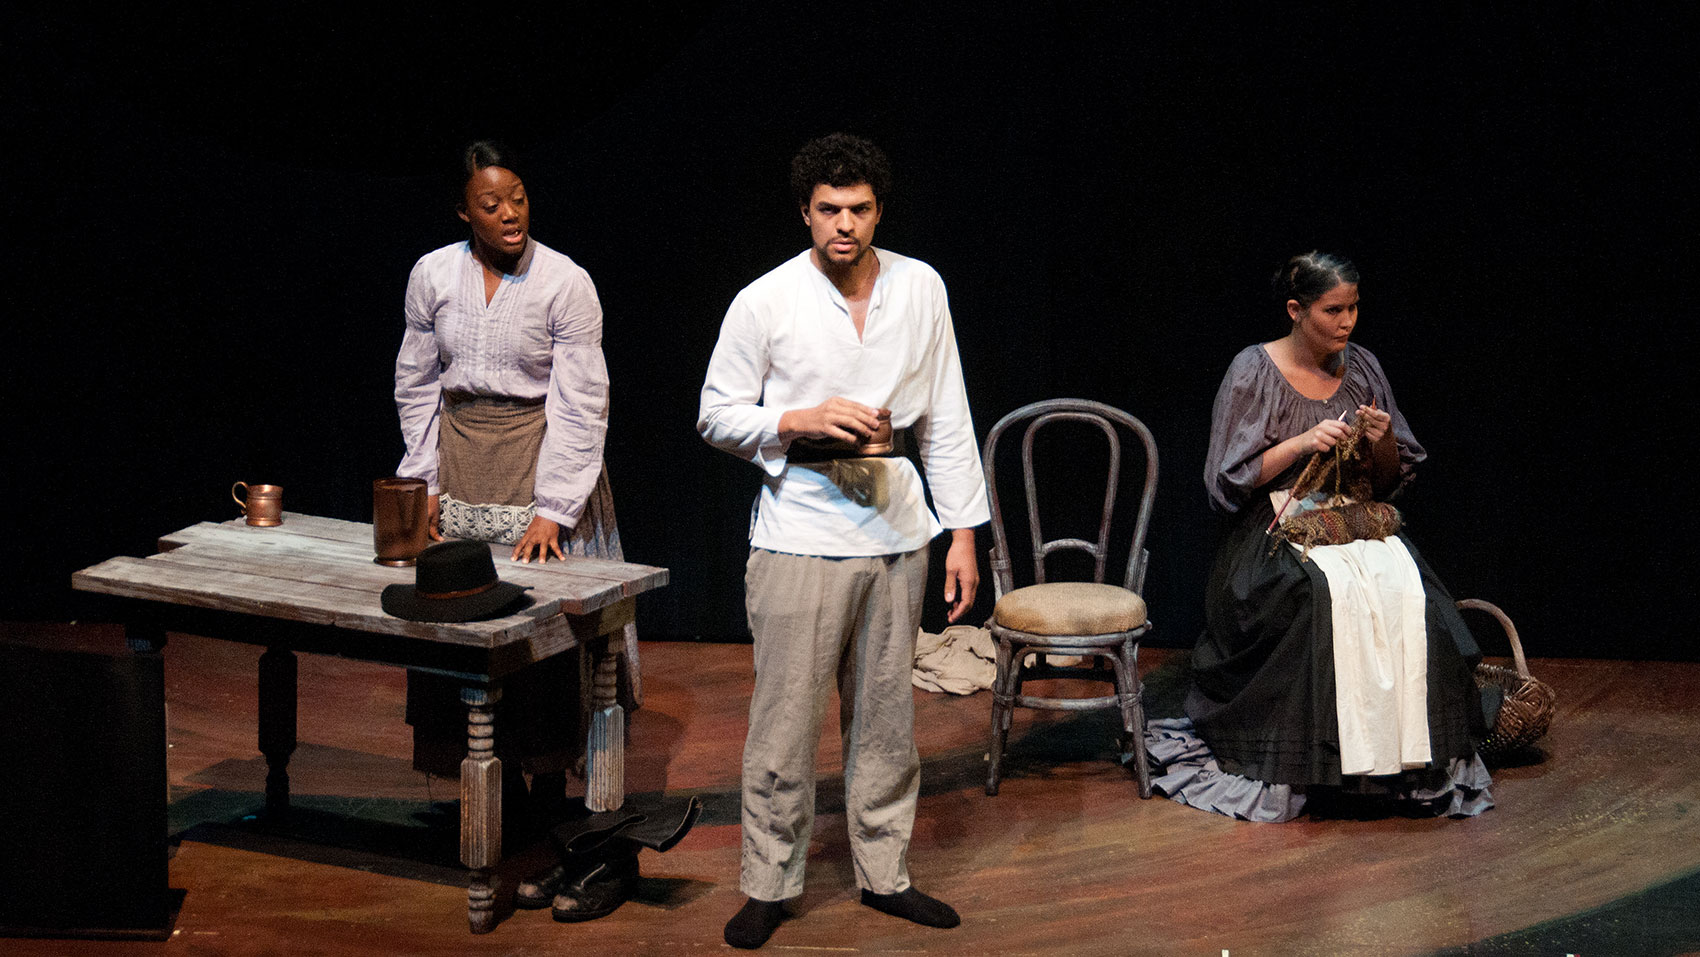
(480, 154)
(1308, 277)
(839, 159)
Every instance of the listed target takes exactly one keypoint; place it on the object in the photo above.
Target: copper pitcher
(400, 530)
(264, 505)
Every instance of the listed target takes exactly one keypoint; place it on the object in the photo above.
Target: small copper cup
(264, 505)
(880, 442)
(400, 530)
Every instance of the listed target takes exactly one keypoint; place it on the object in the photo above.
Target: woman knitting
(1326, 667)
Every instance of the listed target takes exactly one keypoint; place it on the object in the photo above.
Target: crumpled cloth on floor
(961, 660)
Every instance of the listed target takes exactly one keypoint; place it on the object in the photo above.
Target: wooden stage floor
(1591, 851)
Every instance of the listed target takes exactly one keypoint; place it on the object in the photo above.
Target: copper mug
(264, 505)
(400, 530)
(880, 442)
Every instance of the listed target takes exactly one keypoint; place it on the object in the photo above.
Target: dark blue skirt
(1263, 671)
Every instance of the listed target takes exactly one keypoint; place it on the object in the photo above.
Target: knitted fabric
(1345, 520)
(1340, 524)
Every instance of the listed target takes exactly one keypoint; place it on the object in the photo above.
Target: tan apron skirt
(487, 470)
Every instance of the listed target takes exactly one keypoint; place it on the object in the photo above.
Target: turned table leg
(481, 806)
(605, 780)
(277, 725)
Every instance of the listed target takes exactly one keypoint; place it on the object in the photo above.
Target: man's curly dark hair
(839, 159)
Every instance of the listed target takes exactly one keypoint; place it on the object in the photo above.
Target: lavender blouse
(1257, 407)
(539, 337)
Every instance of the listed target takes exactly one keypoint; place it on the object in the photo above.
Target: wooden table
(310, 585)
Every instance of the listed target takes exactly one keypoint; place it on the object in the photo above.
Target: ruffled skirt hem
(1185, 771)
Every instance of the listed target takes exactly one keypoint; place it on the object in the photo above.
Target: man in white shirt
(809, 356)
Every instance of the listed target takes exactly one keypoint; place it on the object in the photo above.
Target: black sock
(754, 923)
(913, 905)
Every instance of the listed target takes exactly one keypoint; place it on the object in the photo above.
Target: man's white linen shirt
(788, 342)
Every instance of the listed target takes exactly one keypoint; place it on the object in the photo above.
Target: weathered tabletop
(310, 585)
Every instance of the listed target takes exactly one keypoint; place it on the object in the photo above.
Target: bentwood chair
(1098, 620)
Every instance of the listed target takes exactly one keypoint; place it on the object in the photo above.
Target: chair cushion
(1070, 608)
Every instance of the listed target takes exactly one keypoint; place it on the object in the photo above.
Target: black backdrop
(211, 223)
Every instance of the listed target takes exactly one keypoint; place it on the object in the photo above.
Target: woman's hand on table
(434, 517)
(541, 537)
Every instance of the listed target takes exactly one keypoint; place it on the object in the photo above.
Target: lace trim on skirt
(504, 524)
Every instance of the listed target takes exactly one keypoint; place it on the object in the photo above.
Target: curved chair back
(1037, 416)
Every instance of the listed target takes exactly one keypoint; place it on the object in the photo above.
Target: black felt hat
(453, 581)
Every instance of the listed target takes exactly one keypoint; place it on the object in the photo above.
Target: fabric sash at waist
(804, 452)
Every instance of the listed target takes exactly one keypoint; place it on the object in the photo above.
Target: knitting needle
(1289, 499)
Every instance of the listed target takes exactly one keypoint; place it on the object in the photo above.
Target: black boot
(598, 869)
(538, 891)
(599, 891)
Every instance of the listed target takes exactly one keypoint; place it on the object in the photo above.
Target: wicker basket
(1528, 704)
